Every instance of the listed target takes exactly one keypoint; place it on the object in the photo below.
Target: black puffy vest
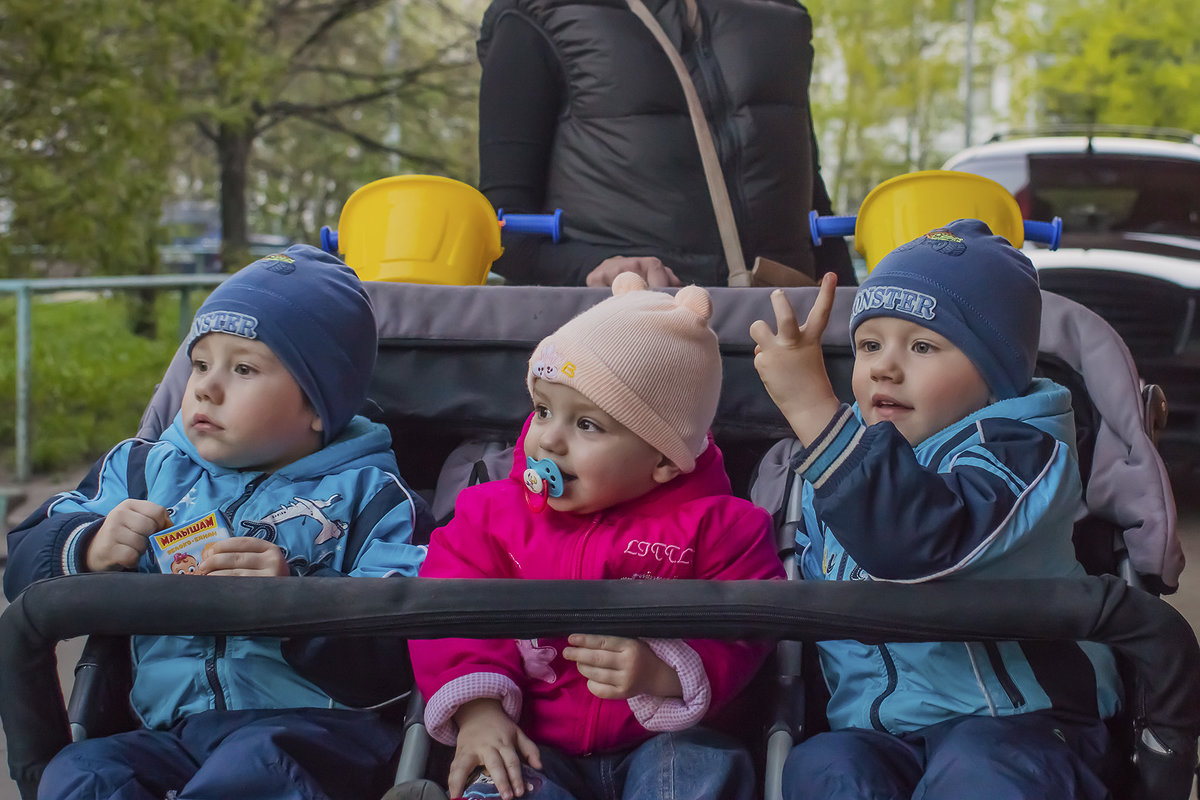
(626, 169)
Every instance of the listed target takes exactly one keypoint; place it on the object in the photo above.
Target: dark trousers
(1000, 758)
(695, 764)
(223, 755)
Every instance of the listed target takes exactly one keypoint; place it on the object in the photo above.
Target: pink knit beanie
(647, 359)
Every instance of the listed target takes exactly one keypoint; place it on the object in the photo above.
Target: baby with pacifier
(615, 476)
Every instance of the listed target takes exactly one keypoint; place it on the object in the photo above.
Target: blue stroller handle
(819, 226)
(1045, 232)
(329, 240)
(1049, 233)
(545, 224)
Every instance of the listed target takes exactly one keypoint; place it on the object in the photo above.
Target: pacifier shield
(547, 472)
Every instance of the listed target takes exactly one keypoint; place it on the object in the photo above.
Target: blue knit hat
(970, 286)
(311, 310)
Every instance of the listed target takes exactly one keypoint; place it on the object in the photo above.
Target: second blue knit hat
(970, 286)
(312, 311)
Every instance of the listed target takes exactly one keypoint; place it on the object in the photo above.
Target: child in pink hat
(615, 476)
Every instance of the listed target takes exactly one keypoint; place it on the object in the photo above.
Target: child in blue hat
(268, 460)
(953, 463)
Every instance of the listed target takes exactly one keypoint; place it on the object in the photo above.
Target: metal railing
(24, 289)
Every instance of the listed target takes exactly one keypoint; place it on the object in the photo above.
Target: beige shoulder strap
(738, 275)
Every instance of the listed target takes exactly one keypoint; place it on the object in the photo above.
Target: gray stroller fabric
(452, 358)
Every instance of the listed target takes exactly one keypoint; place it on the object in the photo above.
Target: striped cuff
(817, 463)
(440, 709)
(75, 547)
(661, 714)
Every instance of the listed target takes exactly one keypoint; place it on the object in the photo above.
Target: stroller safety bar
(1156, 640)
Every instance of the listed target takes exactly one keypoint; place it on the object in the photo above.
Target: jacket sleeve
(53, 540)
(901, 520)
(360, 671)
(520, 96)
(451, 672)
(735, 544)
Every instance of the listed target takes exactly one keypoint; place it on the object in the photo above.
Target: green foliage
(885, 87)
(82, 111)
(1122, 63)
(91, 378)
(279, 109)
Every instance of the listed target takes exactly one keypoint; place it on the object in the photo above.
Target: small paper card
(181, 549)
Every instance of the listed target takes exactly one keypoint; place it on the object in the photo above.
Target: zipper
(230, 511)
(581, 546)
(724, 132)
(1006, 680)
(210, 672)
(842, 561)
(219, 642)
(589, 743)
(593, 716)
(889, 664)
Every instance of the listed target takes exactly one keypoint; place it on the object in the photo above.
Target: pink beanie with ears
(647, 359)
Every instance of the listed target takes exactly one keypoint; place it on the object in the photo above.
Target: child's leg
(139, 765)
(865, 764)
(537, 785)
(289, 753)
(1030, 755)
(696, 764)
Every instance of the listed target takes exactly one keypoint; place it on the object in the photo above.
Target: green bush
(91, 376)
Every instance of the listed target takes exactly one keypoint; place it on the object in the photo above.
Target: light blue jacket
(341, 511)
(993, 496)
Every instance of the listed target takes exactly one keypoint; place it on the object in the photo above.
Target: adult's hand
(656, 273)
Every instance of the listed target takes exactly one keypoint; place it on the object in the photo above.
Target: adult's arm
(520, 99)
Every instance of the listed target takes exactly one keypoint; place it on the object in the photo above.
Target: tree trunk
(233, 153)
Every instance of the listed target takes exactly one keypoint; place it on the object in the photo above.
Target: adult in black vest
(581, 110)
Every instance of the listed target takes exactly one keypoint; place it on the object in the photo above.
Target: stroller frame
(451, 368)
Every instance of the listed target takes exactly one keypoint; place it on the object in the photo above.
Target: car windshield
(1100, 193)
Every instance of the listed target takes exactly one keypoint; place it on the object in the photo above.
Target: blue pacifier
(543, 479)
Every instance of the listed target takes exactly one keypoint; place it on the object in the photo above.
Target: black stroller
(450, 371)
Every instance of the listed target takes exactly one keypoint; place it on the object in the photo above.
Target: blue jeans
(695, 764)
(1000, 758)
(268, 755)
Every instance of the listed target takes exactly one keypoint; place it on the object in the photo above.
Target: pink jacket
(691, 527)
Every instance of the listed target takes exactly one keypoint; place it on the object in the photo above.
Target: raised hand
(792, 367)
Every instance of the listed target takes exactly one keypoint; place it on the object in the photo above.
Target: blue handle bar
(329, 240)
(546, 224)
(819, 226)
(1045, 232)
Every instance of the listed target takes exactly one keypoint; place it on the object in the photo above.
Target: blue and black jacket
(994, 495)
(342, 510)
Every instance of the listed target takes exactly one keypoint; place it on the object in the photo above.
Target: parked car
(1130, 250)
